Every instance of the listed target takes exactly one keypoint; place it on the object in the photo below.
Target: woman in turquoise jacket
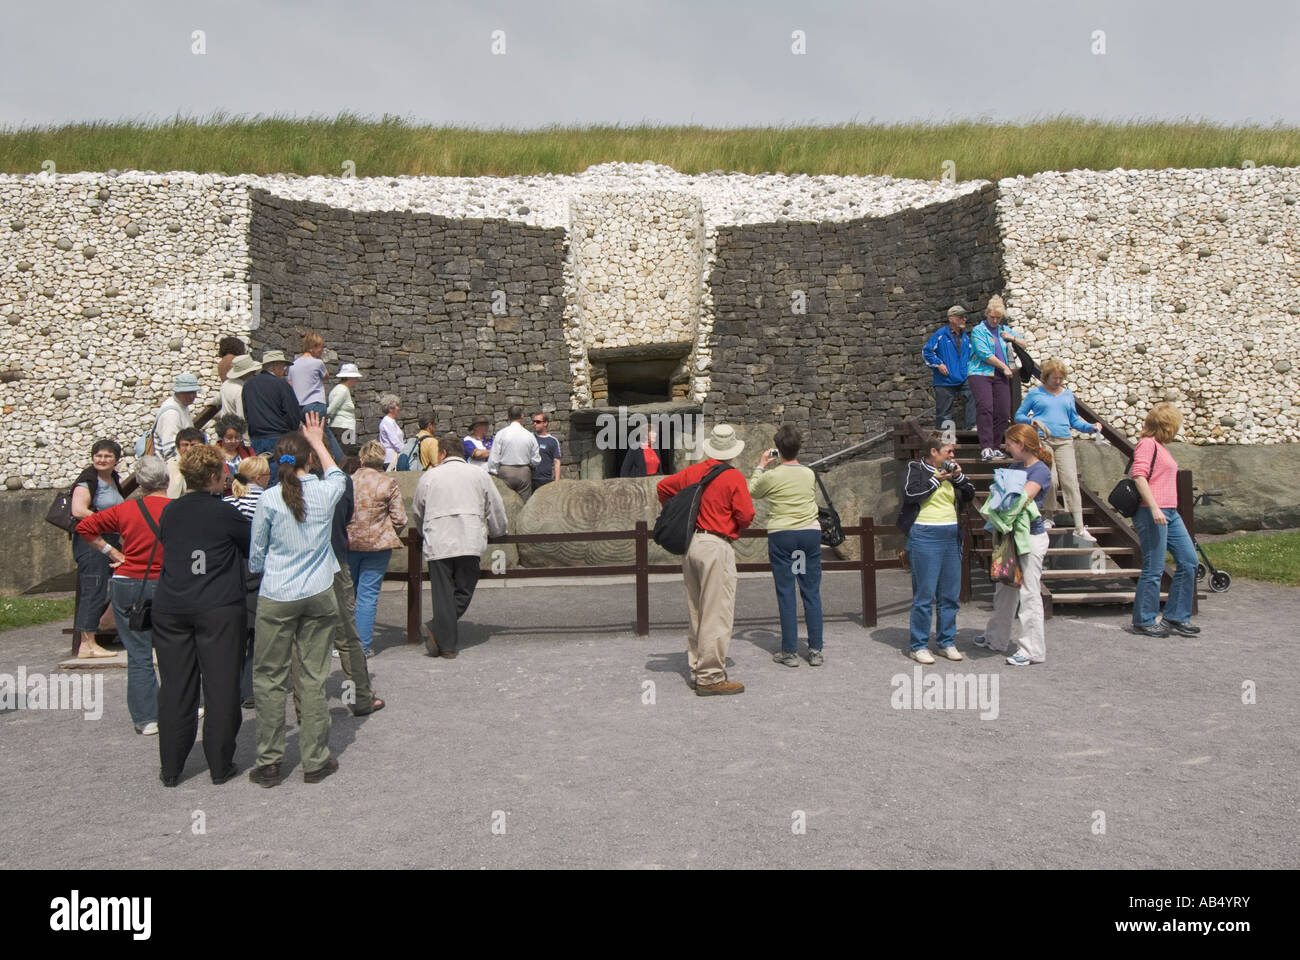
(989, 376)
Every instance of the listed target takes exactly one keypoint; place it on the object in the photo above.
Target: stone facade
(1155, 285)
(458, 316)
(822, 324)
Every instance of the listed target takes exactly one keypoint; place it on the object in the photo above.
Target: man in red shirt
(709, 567)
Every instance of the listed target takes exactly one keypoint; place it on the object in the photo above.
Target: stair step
(1119, 574)
(1115, 596)
(1085, 551)
(978, 530)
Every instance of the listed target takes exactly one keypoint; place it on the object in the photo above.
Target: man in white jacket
(452, 504)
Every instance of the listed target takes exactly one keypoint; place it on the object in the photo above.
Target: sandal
(374, 708)
(96, 654)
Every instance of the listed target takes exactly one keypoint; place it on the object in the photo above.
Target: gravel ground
(540, 725)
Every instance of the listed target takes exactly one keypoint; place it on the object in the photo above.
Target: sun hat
(243, 366)
(349, 370)
(273, 356)
(186, 383)
(722, 442)
(480, 419)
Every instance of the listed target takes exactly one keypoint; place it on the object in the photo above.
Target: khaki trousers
(709, 569)
(1065, 478)
(1030, 601)
(518, 479)
(348, 643)
(301, 630)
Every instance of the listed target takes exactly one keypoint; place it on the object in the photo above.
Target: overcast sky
(658, 61)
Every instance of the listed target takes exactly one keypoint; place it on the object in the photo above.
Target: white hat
(242, 366)
(349, 370)
(273, 356)
(722, 442)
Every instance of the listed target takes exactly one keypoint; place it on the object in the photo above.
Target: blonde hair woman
(373, 534)
(1036, 460)
(989, 376)
(1160, 529)
(307, 375)
(1050, 409)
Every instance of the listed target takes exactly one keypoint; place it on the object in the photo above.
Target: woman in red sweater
(134, 579)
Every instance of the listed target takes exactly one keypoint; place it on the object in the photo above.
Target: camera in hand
(951, 466)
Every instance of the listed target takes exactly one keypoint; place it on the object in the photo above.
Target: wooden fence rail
(417, 573)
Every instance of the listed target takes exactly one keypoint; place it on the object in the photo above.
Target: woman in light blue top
(1050, 408)
(296, 609)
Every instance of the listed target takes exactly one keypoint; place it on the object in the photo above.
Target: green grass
(1274, 557)
(391, 146)
(30, 611)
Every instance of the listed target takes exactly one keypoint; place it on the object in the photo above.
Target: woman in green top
(340, 411)
(794, 542)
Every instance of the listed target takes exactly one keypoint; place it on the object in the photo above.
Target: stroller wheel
(1200, 572)
(1221, 581)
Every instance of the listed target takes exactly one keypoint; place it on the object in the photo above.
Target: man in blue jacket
(947, 354)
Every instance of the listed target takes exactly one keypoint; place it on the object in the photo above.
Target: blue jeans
(141, 681)
(1156, 539)
(93, 573)
(367, 568)
(943, 400)
(806, 571)
(335, 450)
(935, 556)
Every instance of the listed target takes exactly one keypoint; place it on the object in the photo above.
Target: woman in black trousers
(199, 619)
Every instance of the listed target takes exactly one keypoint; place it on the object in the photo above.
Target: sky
(665, 62)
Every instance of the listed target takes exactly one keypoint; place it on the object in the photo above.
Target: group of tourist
(246, 561)
(978, 368)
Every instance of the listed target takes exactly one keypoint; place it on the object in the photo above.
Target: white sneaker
(1083, 534)
(921, 656)
(335, 654)
(1049, 524)
(150, 729)
(200, 716)
(951, 653)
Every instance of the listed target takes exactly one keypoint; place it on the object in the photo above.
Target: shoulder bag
(140, 613)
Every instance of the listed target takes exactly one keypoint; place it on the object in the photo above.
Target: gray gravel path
(542, 718)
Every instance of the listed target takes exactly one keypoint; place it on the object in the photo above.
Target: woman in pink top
(1160, 528)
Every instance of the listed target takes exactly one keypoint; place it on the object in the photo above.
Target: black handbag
(60, 512)
(1125, 497)
(140, 614)
(675, 525)
(832, 532)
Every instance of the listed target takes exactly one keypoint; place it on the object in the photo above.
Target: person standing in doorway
(549, 447)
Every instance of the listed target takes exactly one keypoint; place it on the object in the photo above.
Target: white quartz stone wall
(1164, 284)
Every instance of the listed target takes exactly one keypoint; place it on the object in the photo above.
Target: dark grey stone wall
(408, 297)
(876, 289)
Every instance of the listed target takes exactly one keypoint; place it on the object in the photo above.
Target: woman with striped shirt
(250, 482)
(296, 610)
(1160, 528)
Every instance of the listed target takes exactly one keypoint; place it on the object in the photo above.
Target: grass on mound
(1271, 557)
(30, 611)
(391, 146)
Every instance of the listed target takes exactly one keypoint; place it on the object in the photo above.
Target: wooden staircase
(1074, 570)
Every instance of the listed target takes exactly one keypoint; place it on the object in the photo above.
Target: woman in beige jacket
(377, 520)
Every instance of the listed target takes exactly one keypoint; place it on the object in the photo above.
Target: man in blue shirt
(549, 468)
(947, 353)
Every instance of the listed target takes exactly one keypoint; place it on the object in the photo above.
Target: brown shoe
(721, 689)
(430, 644)
(316, 776)
(449, 654)
(267, 776)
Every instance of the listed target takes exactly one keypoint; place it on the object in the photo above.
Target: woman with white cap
(340, 412)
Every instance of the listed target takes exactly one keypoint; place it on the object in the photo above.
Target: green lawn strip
(30, 611)
(1274, 558)
(393, 146)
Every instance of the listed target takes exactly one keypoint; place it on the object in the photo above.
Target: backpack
(676, 523)
(409, 458)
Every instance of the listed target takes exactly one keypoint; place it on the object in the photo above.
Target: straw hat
(273, 356)
(242, 366)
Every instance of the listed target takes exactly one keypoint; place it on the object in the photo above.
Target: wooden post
(414, 554)
(867, 539)
(642, 579)
(1186, 502)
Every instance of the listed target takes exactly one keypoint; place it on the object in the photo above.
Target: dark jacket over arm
(270, 406)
